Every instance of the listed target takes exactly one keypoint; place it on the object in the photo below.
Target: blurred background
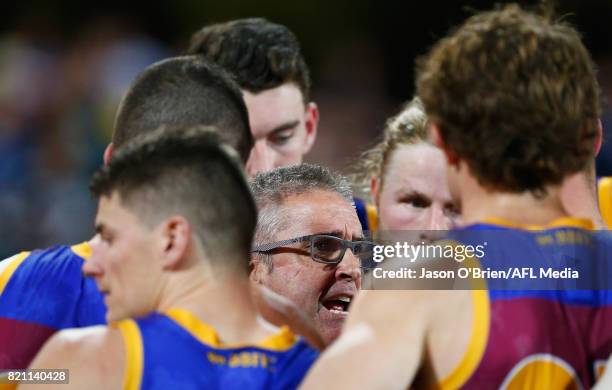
(65, 64)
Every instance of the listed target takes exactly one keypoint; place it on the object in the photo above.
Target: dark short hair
(186, 172)
(515, 95)
(184, 91)
(260, 54)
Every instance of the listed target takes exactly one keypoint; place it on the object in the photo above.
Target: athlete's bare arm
(605, 382)
(94, 357)
(381, 347)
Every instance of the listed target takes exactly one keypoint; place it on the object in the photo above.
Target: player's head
(267, 63)
(301, 201)
(514, 96)
(184, 91)
(406, 175)
(170, 203)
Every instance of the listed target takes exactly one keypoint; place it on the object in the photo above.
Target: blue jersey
(42, 292)
(176, 350)
(367, 214)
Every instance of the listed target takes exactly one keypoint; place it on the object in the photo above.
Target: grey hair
(272, 187)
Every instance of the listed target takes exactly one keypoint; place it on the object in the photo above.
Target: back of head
(261, 54)
(271, 188)
(184, 91)
(186, 172)
(407, 127)
(514, 94)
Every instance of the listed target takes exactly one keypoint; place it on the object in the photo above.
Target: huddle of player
(198, 278)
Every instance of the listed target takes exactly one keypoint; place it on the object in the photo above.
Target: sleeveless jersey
(604, 195)
(176, 350)
(532, 338)
(367, 214)
(42, 292)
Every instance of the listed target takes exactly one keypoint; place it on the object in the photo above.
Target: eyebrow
(339, 234)
(335, 233)
(284, 126)
(402, 192)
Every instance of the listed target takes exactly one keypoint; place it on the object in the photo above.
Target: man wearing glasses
(308, 243)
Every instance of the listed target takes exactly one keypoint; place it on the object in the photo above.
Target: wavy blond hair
(408, 127)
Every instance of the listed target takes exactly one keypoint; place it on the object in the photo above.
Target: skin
(141, 269)
(424, 341)
(414, 193)
(123, 261)
(305, 282)
(283, 127)
(419, 344)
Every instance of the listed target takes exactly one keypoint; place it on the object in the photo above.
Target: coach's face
(283, 127)
(123, 261)
(321, 291)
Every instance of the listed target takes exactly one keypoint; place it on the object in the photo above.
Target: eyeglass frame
(346, 244)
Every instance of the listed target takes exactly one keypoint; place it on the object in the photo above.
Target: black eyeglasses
(324, 248)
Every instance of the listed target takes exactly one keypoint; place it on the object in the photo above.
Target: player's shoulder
(93, 354)
(387, 308)
(84, 341)
(78, 252)
(43, 262)
(367, 214)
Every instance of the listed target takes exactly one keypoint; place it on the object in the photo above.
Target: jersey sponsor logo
(542, 371)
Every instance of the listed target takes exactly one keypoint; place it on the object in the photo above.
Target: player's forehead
(320, 211)
(418, 167)
(274, 107)
(113, 213)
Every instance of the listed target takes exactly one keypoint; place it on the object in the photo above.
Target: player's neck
(579, 199)
(224, 302)
(479, 204)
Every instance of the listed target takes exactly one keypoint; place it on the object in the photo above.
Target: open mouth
(339, 304)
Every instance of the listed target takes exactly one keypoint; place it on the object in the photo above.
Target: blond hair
(408, 127)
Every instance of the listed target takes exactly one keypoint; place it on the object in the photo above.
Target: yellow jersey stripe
(13, 263)
(604, 194)
(372, 214)
(82, 249)
(478, 342)
(206, 334)
(134, 357)
(581, 223)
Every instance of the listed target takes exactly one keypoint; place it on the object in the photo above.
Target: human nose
(438, 220)
(349, 268)
(261, 158)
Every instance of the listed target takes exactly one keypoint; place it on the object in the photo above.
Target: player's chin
(114, 314)
(330, 322)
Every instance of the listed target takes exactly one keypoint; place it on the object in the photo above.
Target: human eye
(452, 210)
(326, 245)
(106, 237)
(415, 200)
(281, 137)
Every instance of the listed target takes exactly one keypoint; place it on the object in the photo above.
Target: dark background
(65, 64)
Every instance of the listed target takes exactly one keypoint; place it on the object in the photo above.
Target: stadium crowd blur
(59, 92)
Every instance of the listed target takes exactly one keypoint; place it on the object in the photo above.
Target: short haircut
(407, 127)
(186, 172)
(261, 54)
(515, 95)
(184, 91)
(271, 188)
